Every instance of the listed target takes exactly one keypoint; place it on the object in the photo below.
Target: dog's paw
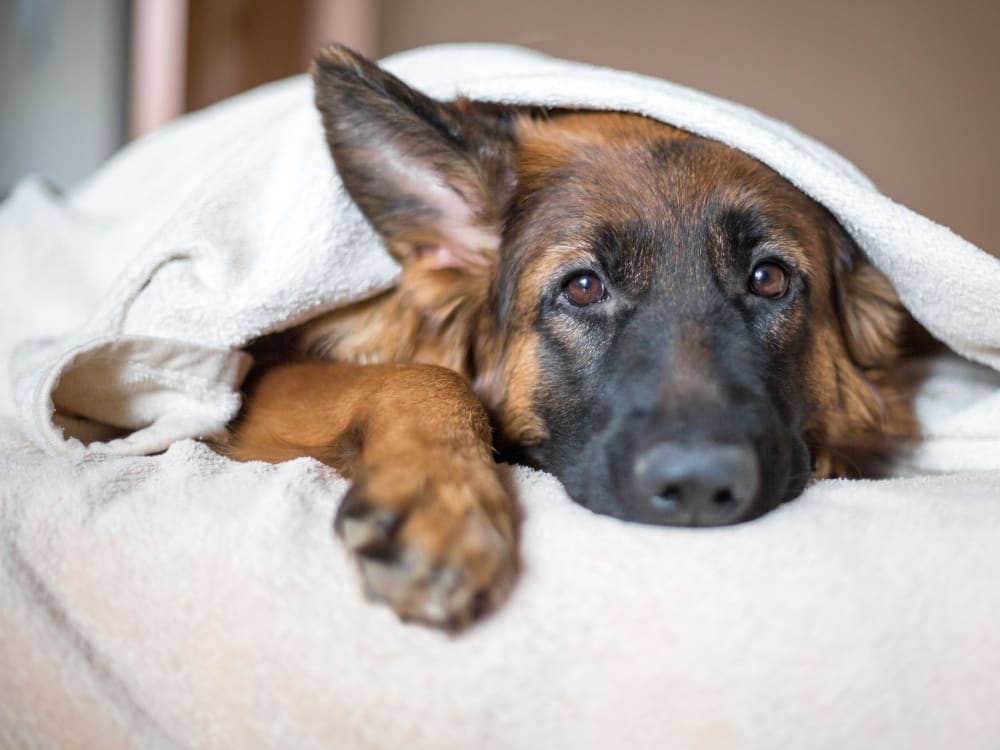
(436, 544)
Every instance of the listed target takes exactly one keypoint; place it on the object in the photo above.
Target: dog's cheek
(871, 315)
(506, 381)
(855, 413)
(859, 415)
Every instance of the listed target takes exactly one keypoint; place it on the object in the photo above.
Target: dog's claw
(432, 549)
(366, 527)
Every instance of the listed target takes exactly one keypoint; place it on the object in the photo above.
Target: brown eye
(769, 280)
(584, 289)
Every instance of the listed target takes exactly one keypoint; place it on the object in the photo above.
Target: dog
(665, 324)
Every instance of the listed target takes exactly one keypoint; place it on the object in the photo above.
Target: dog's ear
(862, 411)
(871, 315)
(432, 178)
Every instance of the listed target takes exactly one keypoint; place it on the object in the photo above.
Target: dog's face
(665, 324)
(665, 285)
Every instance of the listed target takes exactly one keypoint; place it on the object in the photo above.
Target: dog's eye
(584, 289)
(768, 280)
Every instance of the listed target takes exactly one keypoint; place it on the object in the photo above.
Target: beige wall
(910, 91)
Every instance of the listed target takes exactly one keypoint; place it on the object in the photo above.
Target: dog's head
(667, 325)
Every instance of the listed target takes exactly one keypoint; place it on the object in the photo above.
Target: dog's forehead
(588, 175)
(617, 161)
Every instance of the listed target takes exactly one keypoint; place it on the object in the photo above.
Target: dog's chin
(648, 514)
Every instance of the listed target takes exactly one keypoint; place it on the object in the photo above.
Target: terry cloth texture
(140, 286)
(185, 600)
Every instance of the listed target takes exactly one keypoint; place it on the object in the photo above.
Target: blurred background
(907, 89)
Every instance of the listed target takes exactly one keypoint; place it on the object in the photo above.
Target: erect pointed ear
(871, 315)
(432, 179)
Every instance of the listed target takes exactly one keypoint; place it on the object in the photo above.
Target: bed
(155, 594)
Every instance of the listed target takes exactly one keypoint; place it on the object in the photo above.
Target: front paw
(438, 546)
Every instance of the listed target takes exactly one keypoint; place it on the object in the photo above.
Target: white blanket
(186, 600)
(233, 223)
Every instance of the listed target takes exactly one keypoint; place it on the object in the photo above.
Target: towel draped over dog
(182, 599)
(233, 223)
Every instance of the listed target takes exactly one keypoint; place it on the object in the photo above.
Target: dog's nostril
(724, 498)
(669, 499)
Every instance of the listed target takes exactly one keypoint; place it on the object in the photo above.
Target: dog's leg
(430, 524)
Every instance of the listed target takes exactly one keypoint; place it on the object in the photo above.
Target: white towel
(185, 600)
(147, 279)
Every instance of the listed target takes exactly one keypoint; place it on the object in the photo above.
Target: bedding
(155, 594)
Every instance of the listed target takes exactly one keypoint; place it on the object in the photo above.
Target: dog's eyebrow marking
(742, 235)
(755, 236)
(626, 251)
(666, 150)
(740, 231)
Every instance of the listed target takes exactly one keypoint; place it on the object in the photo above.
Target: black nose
(701, 484)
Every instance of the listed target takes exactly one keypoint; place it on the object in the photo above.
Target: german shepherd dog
(665, 324)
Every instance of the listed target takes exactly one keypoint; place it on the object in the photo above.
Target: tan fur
(431, 316)
(859, 412)
(433, 528)
(416, 443)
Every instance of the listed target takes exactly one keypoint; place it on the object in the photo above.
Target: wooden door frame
(159, 47)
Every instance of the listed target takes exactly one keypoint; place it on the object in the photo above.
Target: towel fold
(185, 600)
(233, 223)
